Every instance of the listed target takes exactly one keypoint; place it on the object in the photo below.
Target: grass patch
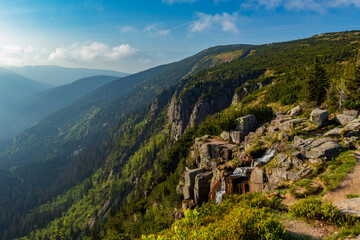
(350, 196)
(348, 232)
(338, 169)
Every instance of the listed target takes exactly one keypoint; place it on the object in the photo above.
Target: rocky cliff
(296, 148)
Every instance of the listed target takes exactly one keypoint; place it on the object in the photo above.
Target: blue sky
(130, 36)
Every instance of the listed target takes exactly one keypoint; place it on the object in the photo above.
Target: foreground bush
(314, 208)
(237, 217)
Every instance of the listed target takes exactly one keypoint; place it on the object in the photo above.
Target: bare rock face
(325, 151)
(190, 182)
(319, 116)
(343, 119)
(246, 124)
(188, 107)
(202, 187)
(324, 148)
(295, 111)
(256, 180)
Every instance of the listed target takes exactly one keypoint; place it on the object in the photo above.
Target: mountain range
(109, 163)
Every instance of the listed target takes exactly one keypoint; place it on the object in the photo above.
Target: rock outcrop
(295, 111)
(319, 116)
(192, 105)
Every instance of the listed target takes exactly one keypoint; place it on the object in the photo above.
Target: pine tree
(317, 83)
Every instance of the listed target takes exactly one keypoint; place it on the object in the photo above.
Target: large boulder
(190, 182)
(319, 116)
(246, 124)
(256, 180)
(343, 119)
(202, 187)
(295, 111)
(225, 136)
(354, 125)
(336, 132)
(324, 151)
(236, 136)
(353, 113)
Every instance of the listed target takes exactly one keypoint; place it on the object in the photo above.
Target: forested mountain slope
(141, 158)
(71, 144)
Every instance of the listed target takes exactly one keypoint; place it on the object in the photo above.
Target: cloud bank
(225, 22)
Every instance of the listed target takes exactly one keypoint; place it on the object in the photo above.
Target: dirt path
(316, 230)
(350, 185)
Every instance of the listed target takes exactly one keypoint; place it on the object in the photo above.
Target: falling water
(244, 171)
(220, 192)
(269, 154)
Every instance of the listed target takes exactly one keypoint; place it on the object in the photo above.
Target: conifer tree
(317, 83)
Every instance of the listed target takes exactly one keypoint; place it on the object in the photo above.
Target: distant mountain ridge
(56, 75)
(30, 110)
(14, 87)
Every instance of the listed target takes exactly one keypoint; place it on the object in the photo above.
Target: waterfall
(244, 171)
(269, 154)
(220, 192)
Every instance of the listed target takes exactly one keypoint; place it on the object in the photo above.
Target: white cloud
(87, 52)
(178, 1)
(225, 21)
(155, 30)
(17, 55)
(299, 5)
(127, 29)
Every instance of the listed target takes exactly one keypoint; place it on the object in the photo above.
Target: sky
(134, 35)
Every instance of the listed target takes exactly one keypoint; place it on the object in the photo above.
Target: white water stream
(243, 172)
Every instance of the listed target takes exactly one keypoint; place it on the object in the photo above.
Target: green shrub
(314, 208)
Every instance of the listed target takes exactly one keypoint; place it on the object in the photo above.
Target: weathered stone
(353, 113)
(256, 180)
(319, 116)
(304, 170)
(343, 119)
(188, 192)
(236, 136)
(225, 136)
(284, 137)
(277, 175)
(295, 161)
(279, 113)
(290, 124)
(202, 187)
(246, 124)
(336, 132)
(205, 157)
(283, 160)
(297, 154)
(190, 176)
(295, 111)
(324, 151)
(354, 125)
(293, 176)
(236, 184)
(349, 206)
